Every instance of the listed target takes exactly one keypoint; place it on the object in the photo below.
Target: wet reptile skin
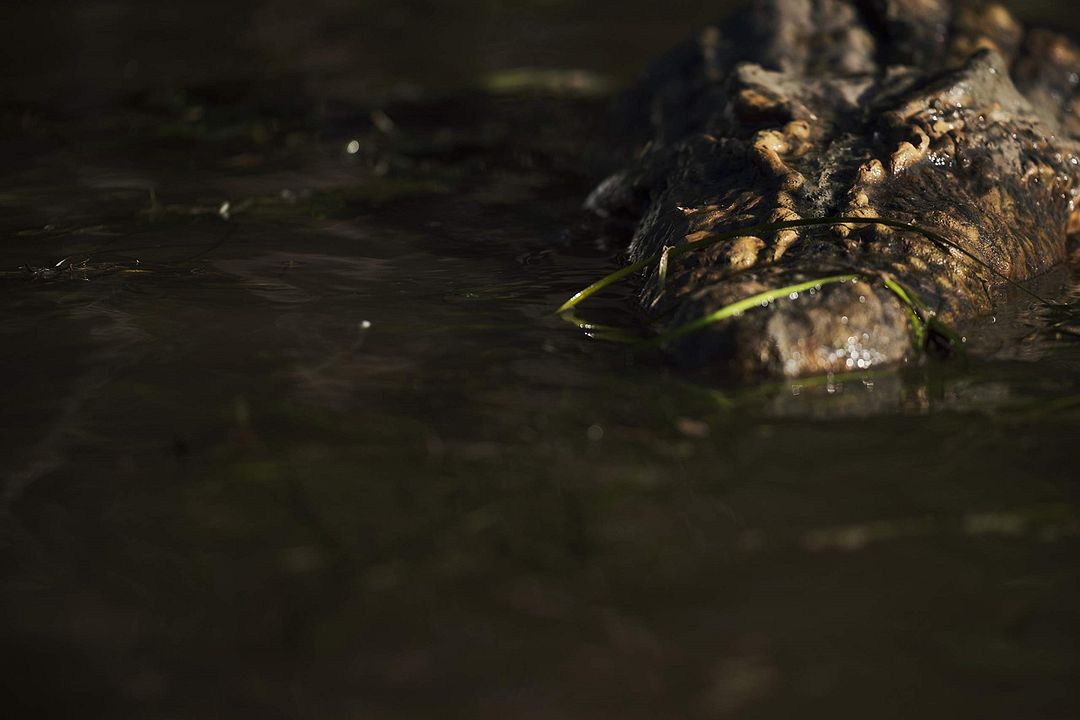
(952, 115)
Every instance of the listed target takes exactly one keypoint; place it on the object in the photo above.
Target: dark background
(80, 53)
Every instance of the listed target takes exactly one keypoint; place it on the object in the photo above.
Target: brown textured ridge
(949, 115)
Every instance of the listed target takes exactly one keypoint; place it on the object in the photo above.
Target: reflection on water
(290, 430)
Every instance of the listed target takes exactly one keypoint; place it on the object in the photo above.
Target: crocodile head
(948, 116)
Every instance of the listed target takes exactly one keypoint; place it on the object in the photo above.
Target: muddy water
(290, 430)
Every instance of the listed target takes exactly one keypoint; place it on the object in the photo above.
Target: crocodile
(949, 116)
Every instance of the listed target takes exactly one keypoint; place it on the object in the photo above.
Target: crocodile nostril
(756, 106)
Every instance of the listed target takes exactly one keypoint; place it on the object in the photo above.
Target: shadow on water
(290, 428)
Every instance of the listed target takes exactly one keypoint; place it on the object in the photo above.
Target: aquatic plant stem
(740, 306)
(603, 282)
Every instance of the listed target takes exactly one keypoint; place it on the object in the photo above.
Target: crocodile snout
(840, 326)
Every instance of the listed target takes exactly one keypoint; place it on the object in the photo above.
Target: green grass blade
(748, 303)
(914, 308)
(923, 321)
(603, 282)
(600, 331)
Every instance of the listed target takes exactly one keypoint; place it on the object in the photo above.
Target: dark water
(325, 452)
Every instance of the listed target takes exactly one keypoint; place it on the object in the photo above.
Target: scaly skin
(950, 115)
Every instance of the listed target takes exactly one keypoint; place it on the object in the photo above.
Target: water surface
(290, 429)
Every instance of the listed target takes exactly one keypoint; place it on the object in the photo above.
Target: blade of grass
(601, 331)
(603, 282)
(923, 320)
(740, 306)
(918, 324)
